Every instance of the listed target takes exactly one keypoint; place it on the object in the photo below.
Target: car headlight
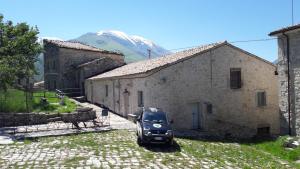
(147, 131)
(169, 133)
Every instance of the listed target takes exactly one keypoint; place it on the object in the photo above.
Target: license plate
(158, 138)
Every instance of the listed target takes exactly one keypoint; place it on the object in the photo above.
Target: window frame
(209, 108)
(140, 98)
(106, 90)
(237, 80)
(261, 101)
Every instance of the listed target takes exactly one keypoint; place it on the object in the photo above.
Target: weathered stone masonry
(193, 87)
(289, 45)
(68, 64)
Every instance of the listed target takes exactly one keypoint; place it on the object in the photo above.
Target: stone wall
(201, 80)
(61, 66)
(24, 119)
(294, 41)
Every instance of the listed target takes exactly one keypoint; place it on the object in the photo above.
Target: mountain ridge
(134, 47)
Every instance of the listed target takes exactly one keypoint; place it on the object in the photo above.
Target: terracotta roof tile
(77, 45)
(148, 65)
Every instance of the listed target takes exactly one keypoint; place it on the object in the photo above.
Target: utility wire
(239, 41)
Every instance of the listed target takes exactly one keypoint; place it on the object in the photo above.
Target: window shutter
(106, 90)
(261, 99)
(140, 99)
(235, 78)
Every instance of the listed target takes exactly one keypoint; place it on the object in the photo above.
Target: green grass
(218, 154)
(275, 147)
(14, 101)
(242, 155)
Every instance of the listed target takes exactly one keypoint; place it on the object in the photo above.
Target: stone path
(118, 149)
(116, 122)
(102, 150)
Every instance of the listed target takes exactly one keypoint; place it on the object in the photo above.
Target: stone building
(68, 64)
(289, 78)
(218, 88)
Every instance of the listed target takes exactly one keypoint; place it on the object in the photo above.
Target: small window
(261, 99)
(209, 108)
(263, 131)
(140, 99)
(235, 78)
(106, 90)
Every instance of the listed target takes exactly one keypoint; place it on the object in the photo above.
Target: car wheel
(171, 142)
(139, 141)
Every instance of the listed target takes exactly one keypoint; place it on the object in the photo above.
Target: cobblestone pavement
(118, 149)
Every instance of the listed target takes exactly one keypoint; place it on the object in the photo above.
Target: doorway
(126, 102)
(196, 116)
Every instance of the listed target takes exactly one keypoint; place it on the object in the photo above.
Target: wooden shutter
(106, 90)
(261, 99)
(235, 78)
(140, 99)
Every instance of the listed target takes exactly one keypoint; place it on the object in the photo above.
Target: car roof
(153, 110)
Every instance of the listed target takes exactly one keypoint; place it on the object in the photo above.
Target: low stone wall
(23, 119)
(230, 130)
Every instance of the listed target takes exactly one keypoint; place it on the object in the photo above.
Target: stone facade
(196, 93)
(68, 64)
(289, 44)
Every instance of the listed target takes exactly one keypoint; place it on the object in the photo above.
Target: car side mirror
(171, 121)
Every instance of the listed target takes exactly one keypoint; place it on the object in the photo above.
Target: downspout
(288, 80)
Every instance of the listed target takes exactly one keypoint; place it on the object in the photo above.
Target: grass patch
(15, 101)
(275, 147)
(216, 154)
(73, 161)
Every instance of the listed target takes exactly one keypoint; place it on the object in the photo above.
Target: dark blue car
(153, 127)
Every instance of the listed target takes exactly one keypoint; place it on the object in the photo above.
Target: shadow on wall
(284, 124)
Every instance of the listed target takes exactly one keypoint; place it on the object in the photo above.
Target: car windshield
(158, 117)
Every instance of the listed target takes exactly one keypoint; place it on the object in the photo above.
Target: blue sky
(170, 23)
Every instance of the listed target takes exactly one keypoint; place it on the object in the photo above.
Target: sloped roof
(78, 46)
(148, 65)
(289, 28)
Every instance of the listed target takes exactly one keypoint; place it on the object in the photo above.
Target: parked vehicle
(153, 127)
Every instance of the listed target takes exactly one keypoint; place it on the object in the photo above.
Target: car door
(139, 125)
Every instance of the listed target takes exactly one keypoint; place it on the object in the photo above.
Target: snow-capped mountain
(132, 46)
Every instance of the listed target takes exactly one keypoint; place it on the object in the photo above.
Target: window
(263, 131)
(261, 99)
(140, 99)
(106, 90)
(209, 108)
(235, 78)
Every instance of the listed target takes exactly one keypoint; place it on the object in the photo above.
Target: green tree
(19, 49)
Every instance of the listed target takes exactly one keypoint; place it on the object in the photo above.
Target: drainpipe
(288, 80)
